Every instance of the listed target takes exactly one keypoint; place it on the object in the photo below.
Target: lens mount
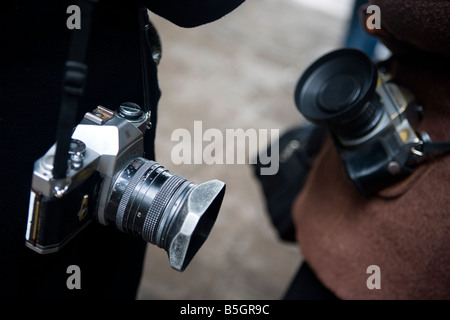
(338, 90)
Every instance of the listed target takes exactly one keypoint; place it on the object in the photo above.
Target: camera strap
(73, 84)
(420, 150)
(75, 73)
(149, 45)
(433, 147)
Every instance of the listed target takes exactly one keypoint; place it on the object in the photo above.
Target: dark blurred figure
(35, 44)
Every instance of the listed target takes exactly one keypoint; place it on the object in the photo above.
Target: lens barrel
(338, 90)
(164, 209)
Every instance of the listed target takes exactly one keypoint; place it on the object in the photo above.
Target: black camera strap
(75, 73)
(433, 147)
(149, 45)
(73, 84)
(417, 151)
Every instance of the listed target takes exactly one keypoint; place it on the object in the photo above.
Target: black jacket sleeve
(193, 13)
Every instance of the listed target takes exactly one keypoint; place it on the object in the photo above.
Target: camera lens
(338, 90)
(164, 209)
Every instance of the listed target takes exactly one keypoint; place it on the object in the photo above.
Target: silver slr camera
(372, 119)
(109, 181)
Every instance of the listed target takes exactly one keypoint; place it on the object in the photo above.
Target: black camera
(372, 120)
(109, 181)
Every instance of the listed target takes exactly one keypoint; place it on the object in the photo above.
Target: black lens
(338, 90)
(164, 209)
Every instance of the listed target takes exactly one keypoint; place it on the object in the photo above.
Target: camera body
(110, 182)
(375, 160)
(372, 120)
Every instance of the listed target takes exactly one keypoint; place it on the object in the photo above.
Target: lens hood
(338, 90)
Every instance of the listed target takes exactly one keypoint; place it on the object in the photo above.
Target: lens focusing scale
(338, 90)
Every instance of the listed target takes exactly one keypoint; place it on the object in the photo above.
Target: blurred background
(237, 73)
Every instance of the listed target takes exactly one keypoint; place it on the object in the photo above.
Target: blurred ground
(238, 72)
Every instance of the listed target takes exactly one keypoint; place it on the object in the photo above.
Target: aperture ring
(128, 192)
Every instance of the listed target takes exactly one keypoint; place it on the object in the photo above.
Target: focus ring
(158, 206)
